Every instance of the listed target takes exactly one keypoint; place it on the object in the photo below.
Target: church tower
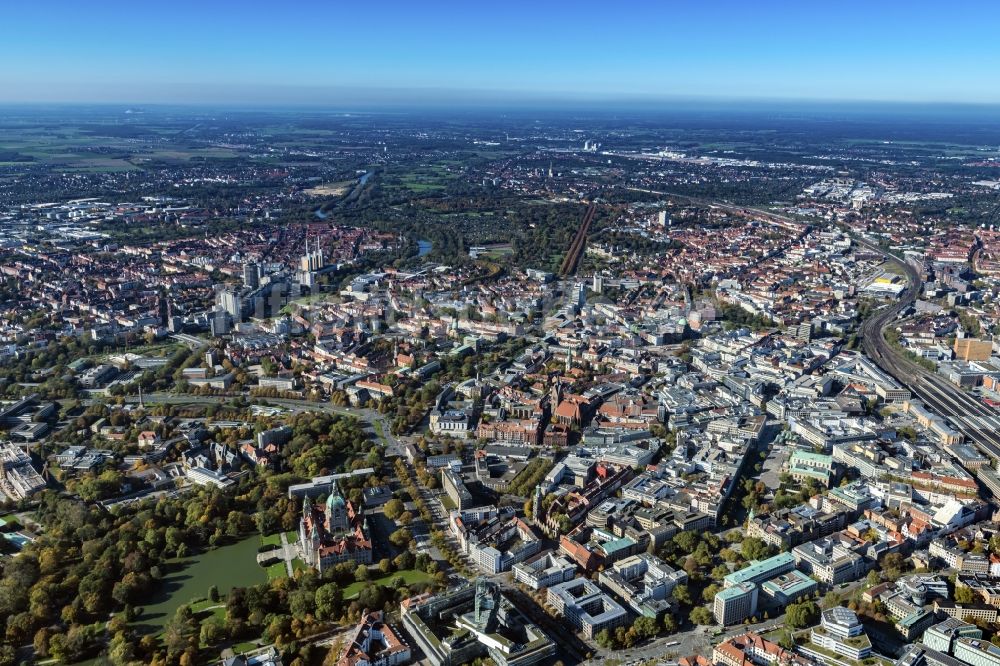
(556, 394)
(307, 527)
(536, 505)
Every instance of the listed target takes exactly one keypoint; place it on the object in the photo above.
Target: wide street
(698, 640)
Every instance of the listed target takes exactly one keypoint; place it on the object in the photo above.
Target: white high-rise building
(232, 303)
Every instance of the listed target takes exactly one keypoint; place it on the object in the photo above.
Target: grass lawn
(497, 254)
(776, 635)
(276, 571)
(204, 605)
(271, 540)
(279, 571)
(893, 268)
(418, 187)
(305, 300)
(411, 576)
(275, 539)
(156, 350)
(205, 609)
(10, 521)
(246, 646)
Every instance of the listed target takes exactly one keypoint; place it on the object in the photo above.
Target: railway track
(978, 423)
(572, 258)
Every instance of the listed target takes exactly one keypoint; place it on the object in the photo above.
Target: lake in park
(227, 567)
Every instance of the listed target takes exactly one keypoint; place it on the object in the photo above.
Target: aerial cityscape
(393, 367)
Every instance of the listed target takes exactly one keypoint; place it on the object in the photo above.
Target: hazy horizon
(447, 101)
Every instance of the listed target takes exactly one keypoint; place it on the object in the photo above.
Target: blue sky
(331, 52)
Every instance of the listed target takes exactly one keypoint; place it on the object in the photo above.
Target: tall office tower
(163, 307)
(251, 274)
(219, 322)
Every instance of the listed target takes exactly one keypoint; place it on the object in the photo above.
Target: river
(361, 181)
